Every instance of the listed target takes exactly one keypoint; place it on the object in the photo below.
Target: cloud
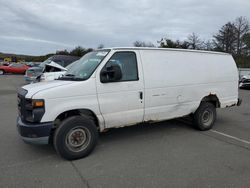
(35, 40)
(40, 27)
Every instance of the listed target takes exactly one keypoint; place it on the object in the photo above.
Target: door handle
(141, 95)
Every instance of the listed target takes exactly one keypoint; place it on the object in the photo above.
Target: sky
(38, 27)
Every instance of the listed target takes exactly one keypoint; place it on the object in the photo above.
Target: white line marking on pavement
(229, 136)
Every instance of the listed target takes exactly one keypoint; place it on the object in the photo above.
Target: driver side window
(128, 64)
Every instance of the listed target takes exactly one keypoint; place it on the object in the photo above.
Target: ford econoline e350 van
(119, 87)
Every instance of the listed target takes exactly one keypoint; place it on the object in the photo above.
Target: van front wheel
(205, 116)
(75, 138)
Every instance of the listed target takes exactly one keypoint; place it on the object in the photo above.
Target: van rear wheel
(205, 116)
(75, 138)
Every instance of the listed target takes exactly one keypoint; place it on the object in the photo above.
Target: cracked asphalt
(166, 154)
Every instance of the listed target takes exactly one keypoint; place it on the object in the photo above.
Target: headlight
(42, 77)
(34, 110)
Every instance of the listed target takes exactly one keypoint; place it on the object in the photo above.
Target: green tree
(62, 52)
(246, 40)
(80, 51)
(225, 39)
(100, 46)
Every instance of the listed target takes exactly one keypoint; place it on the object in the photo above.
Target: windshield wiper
(66, 76)
(70, 77)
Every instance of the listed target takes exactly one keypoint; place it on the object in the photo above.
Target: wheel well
(212, 99)
(77, 112)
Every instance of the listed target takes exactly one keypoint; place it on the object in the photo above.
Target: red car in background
(14, 68)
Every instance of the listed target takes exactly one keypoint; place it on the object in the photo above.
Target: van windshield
(85, 67)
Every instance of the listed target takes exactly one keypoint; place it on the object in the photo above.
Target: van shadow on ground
(125, 134)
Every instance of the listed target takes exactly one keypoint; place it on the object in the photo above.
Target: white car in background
(245, 81)
(53, 71)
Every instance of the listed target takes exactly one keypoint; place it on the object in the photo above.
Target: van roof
(165, 49)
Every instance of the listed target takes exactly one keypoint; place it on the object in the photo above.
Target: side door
(13, 68)
(22, 69)
(121, 101)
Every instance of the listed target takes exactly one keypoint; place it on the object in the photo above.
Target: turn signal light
(38, 103)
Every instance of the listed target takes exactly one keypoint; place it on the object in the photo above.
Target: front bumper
(34, 133)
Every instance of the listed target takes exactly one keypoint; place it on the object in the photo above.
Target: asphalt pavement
(166, 154)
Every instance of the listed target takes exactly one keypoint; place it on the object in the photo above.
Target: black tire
(205, 116)
(75, 138)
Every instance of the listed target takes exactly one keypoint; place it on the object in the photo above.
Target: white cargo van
(119, 87)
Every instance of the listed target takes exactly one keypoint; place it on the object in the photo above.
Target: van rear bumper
(34, 133)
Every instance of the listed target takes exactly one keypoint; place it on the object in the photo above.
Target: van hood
(41, 86)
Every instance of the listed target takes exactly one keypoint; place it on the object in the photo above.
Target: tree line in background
(77, 51)
(233, 38)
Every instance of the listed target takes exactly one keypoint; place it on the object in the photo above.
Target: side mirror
(112, 73)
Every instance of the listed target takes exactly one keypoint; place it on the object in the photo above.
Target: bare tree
(207, 45)
(194, 41)
(143, 44)
(169, 43)
(242, 28)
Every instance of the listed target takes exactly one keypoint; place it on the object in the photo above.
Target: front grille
(27, 113)
(24, 105)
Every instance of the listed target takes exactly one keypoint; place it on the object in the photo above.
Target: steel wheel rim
(207, 117)
(1, 72)
(78, 139)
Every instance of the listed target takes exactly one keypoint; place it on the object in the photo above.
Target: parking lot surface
(166, 154)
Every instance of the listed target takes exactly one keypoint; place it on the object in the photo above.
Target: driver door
(15, 68)
(121, 102)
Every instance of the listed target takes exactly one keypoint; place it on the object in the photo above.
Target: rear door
(122, 103)
(17, 68)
